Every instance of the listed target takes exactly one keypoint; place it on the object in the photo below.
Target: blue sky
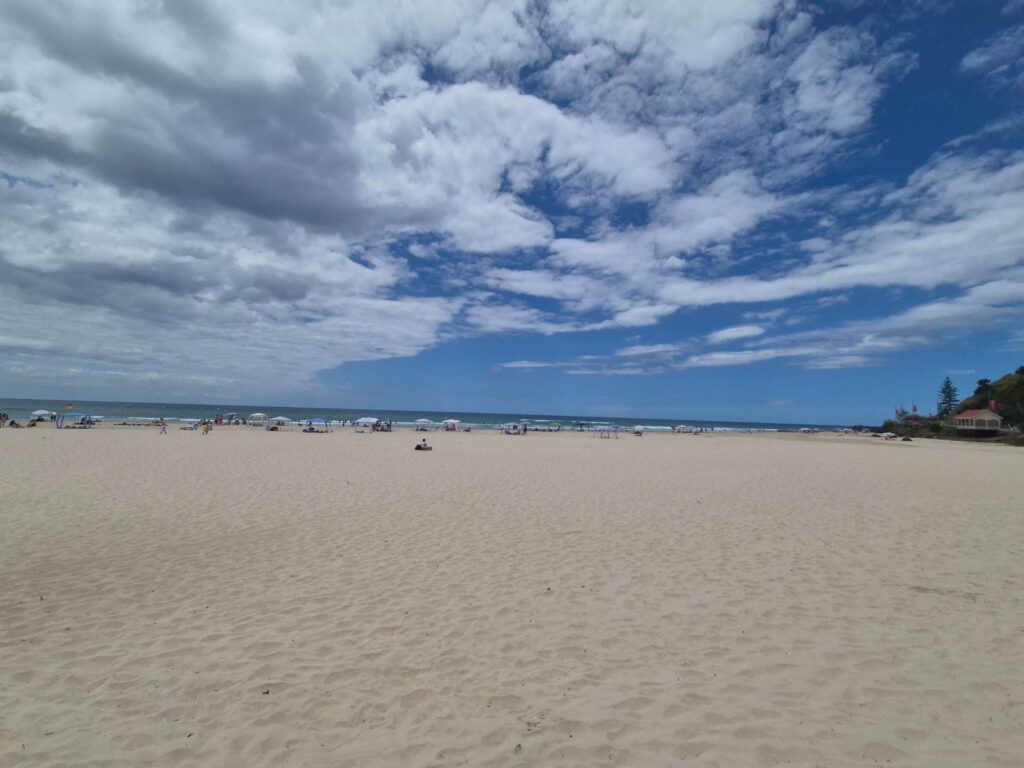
(759, 210)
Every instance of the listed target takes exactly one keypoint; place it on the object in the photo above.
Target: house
(978, 418)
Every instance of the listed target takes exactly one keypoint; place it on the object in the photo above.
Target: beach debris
(518, 749)
(266, 692)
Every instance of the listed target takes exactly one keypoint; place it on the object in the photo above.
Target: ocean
(113, 412)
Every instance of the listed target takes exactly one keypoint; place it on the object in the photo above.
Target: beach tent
(40, 413)
(451, 425)
(76, 417)
(317, 423)
(423, 423)
(280, 420)
(257, 418)
(366, 421)
(805, 430)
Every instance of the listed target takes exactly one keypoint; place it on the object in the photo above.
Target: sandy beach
(248, 598)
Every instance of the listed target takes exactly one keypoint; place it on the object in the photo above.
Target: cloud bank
(227, 197)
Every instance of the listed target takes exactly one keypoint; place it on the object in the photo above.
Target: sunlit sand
(249, 598)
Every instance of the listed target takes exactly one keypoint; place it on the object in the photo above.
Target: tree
(948, 397)
(983, 385)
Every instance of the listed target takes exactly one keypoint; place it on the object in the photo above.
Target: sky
(763, 210)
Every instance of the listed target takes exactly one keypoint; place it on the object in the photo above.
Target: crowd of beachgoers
(364, 424)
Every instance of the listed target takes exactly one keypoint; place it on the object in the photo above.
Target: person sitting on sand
(422, 446)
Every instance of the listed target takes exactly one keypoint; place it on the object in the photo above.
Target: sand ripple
(254, 599)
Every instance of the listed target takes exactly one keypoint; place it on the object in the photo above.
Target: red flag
(992, 405)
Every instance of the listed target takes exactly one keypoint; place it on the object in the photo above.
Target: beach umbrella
(257, 415)
(280, 419)
(40, 413)
(423, 421)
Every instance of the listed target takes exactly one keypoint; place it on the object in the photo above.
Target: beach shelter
(366, 421)
(451, 425)
(40, 413)
(423, 423)
(319, 424)
(280, 420)
(257, 418)
(76, 418)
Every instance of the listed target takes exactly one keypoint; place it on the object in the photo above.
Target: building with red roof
(978, 418)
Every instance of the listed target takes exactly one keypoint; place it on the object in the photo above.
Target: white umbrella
(423, 421)
(40, 413)
(257, 415)
(280, 419)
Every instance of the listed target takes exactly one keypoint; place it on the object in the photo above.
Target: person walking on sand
(163, 427)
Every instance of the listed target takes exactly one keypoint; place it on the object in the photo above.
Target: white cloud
(834, 362)
(836, 79)
(1000, 58)
(648, 350)
(510, 318)
(735, 333)
(238, 187)
(739, 357)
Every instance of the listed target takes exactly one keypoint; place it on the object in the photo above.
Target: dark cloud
(159, 291)
(274, 152)
(92, 47)
(20, 138)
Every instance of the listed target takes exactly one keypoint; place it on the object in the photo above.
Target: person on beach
(163, 426)
(422, 446)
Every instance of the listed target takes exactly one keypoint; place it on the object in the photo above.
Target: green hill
(1008, 392)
